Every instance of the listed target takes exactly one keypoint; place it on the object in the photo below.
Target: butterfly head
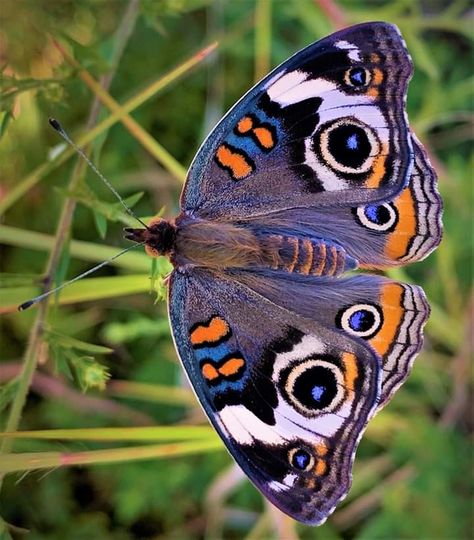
(159, 237)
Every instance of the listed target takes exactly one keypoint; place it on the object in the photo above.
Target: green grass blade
(45, 168)
(155, 393)
(263, 38)
(85, 290)
(150, 434)
(31, 461)
(88, 251)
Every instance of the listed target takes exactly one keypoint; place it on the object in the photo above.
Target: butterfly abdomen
(307, 256)
(227, 245)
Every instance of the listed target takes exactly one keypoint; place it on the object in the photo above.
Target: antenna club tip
(25, 305)
(54, 124)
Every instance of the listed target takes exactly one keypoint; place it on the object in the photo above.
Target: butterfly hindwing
(410, 224)
(404, 229)
(289, 398)
(398, 231)
(327, 126)
(387, 315)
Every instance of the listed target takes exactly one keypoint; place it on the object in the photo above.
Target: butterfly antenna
(57, 126)
(40, 297)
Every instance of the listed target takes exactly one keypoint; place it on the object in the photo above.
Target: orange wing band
(216, 330)
(236, 163)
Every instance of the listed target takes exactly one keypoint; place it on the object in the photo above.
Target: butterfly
(312, 174)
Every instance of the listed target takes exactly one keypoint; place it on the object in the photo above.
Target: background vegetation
(140, 84)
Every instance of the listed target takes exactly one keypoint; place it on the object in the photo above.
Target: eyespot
(358, 77)
(348, 145)
(381, 217)
(313, 386)
(300, 459)
(363, 320)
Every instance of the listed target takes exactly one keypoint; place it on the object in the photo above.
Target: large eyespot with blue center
(312, 386)
(347, 145)
(362, 320)
(377, 217)
(357, 77)
(301, 459)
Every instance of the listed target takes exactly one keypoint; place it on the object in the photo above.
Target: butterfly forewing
(326, 126)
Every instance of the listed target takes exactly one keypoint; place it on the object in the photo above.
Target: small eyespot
(313, 386)
(348, 145)
(300, 459)
(362, 320)
(358, 77)
(381, 217)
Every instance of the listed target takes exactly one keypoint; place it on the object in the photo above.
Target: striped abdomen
(307, 256)
(225, 245)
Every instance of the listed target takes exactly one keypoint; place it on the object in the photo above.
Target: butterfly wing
(402, 230)
(405, 229)
(327, 126)
(289, 397)
(387, 315)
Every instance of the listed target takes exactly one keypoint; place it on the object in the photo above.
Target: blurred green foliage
(412, 477)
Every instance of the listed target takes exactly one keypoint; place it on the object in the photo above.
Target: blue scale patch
(300, 459)
(224, 385)
(356, 321)
(215, 353)
(246, 142)
(317, 392)
(379, 214)
(373, 213)
(358, 76)
(352, 142)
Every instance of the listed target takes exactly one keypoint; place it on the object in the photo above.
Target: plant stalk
(62, 231)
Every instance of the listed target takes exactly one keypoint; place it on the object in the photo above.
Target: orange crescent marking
(398, 241)
(321, 449)
(231, 367)
(391, 304)
(237, 163)
(350, 370)
(378, 169)
(311, 483)
(320, 468)
(377, 77)
(265, 137)
(322, 263)
(214, 331)
(245, 124)
(209, 372)
(306, 266)
(376, 80)
(373, 92)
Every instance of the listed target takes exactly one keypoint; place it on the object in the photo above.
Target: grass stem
(62, 232)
